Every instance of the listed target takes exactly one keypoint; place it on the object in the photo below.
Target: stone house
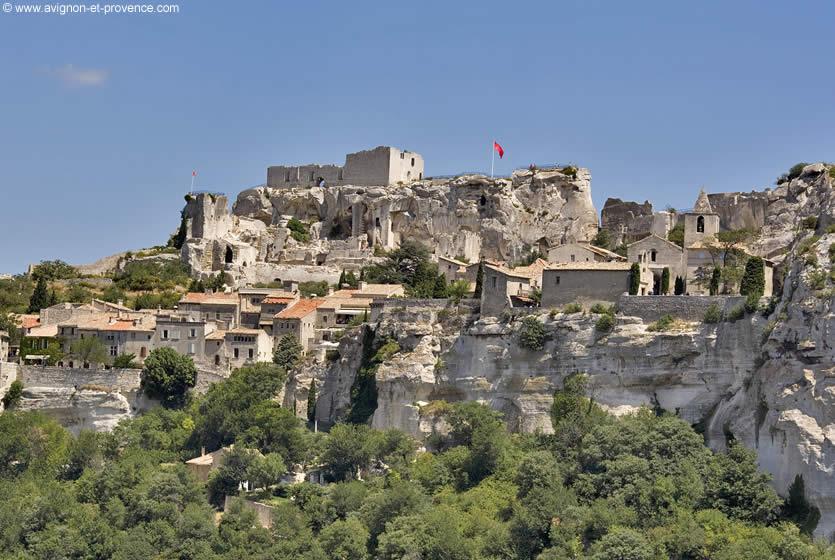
(510, 287)
(238, 347)
(252, 312)
(201, 467)
(183, 333)
(582, 252)
(299, 320)
(454, 270)
(336, 313)
(657, 254)
(119, 335)
(379, 166)
(221, 307)
(588, 282)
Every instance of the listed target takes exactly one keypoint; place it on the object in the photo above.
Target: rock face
(78, 409)
(468, 216)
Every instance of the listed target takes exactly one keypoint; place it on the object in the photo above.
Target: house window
(217, 359)
(413, 162)
(114, 350)
(653, 255)
(324, 318)
(217, 316)
(493, 280)
(165, 334)
(557, 280)
(143, 352)
(250, 353)
(191, 348)
(402, 155)
(236, 352)
(572, 258)
(700, 224)
(377, 222)
(192, 333)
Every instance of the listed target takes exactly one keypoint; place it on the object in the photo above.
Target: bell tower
(701, 223)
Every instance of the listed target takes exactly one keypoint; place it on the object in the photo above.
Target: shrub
(332, 355)
(713, 314)
(603, 308)
(832, 251)
(532, 334)
(662, 324)
(715, 278)
(817, 279)
(125, 361)
(752, 303)
(569, 308)
(603, 239)
(605, 323)
(810, 222)
(676, 235)
(310, 288)
(831, 227)
(14, 394)
(793, 173)
(298, 230)
(736, 313)
(571, 171)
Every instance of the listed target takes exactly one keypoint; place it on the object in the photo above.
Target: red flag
(499, 149)
(194, 173)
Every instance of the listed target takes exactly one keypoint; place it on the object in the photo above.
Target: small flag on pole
(499, 149)
(193, 175)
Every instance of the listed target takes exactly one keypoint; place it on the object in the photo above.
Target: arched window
(229, 255)
(700, 224)
(217, 359)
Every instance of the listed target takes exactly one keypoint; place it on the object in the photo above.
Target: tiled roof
(378, 289)
(220, 298)
(278, 299)
(589, 265)
(530, 271)
(44, 331)
(216, 335)
(653, 237)
(300, 309)
(605, 252)
(114, 324)
(335, 302)
(28, 321)
(244, 330)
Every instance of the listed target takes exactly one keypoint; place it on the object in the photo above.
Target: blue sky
(103, 117)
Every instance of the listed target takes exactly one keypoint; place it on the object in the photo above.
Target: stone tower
(701, 223)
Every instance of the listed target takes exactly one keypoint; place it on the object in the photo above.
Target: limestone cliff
(466, 216)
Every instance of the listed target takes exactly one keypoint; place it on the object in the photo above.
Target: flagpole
(492, 156)
(191, 190)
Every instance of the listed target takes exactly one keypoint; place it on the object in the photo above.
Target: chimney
(294, 287)
(202, 451)
(120, 302)
(363, 286)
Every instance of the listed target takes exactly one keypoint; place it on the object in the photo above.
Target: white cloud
(74, 76)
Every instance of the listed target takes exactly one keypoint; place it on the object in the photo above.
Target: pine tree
(40, 297)
(479, 280)
(288, 352)
(634, 279)
(714, 281)
(311, 401)
(665, 281)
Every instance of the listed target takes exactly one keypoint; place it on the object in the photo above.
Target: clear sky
(102, 118)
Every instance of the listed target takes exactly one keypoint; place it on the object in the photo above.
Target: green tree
(634, 279)
(13, 394)
(603, 239)
(266, 470)
(125, 361)
(168, 375)
(715, 277)
(288, 352)
(665, 281)
(440, 289)
(40, 297)
(532, 334)
(479, 280)
(753, 279)
(345, 540)
(53, 270)
(622, 543)
(676, 234)
(798, 509)
(311, 401)
(89, 350)
(738, 489)
(347, 450)
(680, 286)
(458, 290)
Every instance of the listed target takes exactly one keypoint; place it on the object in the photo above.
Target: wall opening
(229, 256)
(700, 224)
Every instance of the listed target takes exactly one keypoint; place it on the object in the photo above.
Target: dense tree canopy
(643, 486)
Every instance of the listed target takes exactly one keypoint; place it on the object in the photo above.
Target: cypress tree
(714, 281)
(479, 280)
(665, 281)
(311, 401)
(679, 287)
(753, 279)
(634, 279)
(341, 281)
(440, 290)
(40, 297)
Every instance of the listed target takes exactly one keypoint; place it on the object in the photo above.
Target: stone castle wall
(688, 308)
(122, 380)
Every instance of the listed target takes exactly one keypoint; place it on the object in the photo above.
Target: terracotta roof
(589, 265)
(28, 321)
(278, 299)
(378, 289)
(243, 330)
(300, 309)
(216, 335)
(343, 293)
(220, 298)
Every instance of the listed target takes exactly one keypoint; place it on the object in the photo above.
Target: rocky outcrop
(78, 409)
(468, 216)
